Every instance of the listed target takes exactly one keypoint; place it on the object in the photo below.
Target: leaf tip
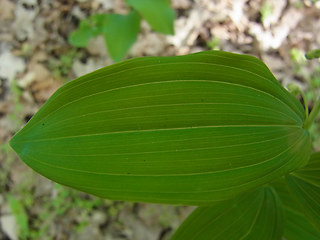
(13, 143)
(16, 144)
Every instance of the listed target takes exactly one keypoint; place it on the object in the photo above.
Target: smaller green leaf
(80, 37)
(313, 54)
(304, 185)
(98, 23)
(90, 27)
(120, 33)
(158, 14)
(297, 226)
(255, 215)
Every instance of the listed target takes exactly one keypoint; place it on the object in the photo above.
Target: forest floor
(36, 59)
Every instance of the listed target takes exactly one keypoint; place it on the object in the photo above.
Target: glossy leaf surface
(256, 215)
(158, 14)
(305, 187)
(191, 129)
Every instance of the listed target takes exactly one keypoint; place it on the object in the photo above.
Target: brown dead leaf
(20, 174)
(150, 44)
(6, 10)
(44, 89)
(41, 72)
(39, 56)
(97, 46)
(120, 7)
(26, 80)
(181, 4)
(43, 84)
(4, 135)
(105, 4)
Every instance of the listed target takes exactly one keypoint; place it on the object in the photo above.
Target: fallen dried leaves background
(35, 59)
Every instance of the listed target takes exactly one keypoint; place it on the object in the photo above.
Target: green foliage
(313, 54)
(63, 64)
(214, 43)
(121, 31)
(21, 216)
(65, 201)
(305, 186)
(255, 215)
(157, 13)
(301, 67)
(211, 129)
(68, 198)
(297, 225)
(158, 115)
(314, 86)
(297, 56)
(266, 11)
(90, 27)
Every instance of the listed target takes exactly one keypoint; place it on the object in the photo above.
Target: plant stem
(315, 111)
(306, 109)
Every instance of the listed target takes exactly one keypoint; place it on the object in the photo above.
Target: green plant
(120, 31)
(313, 54)
(298, 58)
(301, 68)
(214, 43)
(21, 216)
(211, 129)
(266, 11)
(61, 67)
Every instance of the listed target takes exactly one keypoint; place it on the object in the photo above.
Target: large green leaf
(305, 187)
(191, 129)
(297, 226)
(256, 215)
(158, 14)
